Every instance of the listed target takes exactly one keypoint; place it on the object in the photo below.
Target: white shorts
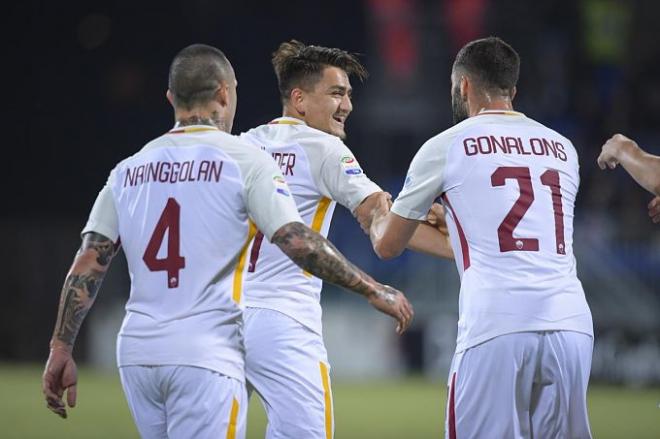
(521, 385)
(287, 365)
(184, 402)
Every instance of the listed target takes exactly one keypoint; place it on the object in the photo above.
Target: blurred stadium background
(86, 88)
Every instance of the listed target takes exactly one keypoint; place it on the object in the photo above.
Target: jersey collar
(499, 112)
(191, 129)
(285, 120)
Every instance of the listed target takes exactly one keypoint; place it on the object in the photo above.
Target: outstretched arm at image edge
(642, 166)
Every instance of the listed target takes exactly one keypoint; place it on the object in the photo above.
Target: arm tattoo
(317, 255)
(82, 284)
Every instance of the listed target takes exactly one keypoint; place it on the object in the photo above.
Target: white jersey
(182, 208)
(320, 170)
(508, 185)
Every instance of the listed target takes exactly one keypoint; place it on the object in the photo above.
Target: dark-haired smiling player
(286, 359)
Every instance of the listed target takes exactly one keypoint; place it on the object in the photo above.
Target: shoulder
(443, 140)
(248, 153)
(313, 139)
(536, 124)
(317, 145)
(155, 143)
(224, 140)
(275, 135)
(257, 135)
(555, 134)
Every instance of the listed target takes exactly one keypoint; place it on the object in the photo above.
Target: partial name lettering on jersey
(174, 172)
(537, 146)
(350, 166)
(280, 186)
(286, 161)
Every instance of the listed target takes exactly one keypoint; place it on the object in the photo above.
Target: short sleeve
(342, 179)
(424, 181)
(103, 217)
(268, 197)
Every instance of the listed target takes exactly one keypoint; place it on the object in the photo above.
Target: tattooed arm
(78, 294)
(317, 255)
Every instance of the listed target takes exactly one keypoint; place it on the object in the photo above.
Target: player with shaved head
(186, 206)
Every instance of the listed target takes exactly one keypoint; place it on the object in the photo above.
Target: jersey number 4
(549, 178)
(174, 262)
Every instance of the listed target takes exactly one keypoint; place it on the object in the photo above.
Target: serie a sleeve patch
(349, 165)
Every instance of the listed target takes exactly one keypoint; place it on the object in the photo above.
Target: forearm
(390, 234)
(364, 213)
(316, 255)
(429, 240)
(642, 166)
(80, 287)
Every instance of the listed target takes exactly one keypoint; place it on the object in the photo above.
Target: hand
(609, 155)
(654, 210)
(393, 303)
(376, 203)
(59, 375)
(436, 218)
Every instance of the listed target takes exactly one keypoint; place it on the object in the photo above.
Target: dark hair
(491, 62)
(195, 75)
(299, 65)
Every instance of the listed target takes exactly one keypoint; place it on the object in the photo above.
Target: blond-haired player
(186, 206)
(286, 360)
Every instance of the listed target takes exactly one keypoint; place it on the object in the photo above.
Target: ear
(513, 92)
(222, 94)
(297, 100)
(169, 97)
(465, 87)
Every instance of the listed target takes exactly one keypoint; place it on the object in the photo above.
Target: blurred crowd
(95, 93)
(589, 70)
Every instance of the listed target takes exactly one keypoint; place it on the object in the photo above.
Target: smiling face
(327, 105)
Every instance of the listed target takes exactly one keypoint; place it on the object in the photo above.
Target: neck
(499, 104)
(289, 111)
(201, 117)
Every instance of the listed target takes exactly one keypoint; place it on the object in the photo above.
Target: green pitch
(396, 409)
